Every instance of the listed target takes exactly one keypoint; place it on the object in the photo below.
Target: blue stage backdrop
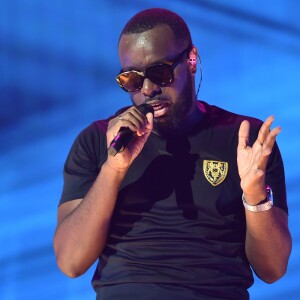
(58, 60)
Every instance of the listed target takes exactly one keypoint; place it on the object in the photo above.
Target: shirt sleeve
(275, 178)
(83, 163)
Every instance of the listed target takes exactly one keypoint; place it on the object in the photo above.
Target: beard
(166, 125)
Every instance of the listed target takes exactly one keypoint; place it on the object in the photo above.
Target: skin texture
(83, 223)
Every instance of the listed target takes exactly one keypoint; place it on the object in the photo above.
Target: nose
(150, 89)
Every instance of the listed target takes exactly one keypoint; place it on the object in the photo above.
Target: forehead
(139, 50)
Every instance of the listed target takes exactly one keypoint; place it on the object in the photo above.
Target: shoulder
(94, 135)
(99, 127)
(218, 116)
(223, 116)
(90, 142)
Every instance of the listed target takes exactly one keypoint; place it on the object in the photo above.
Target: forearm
(81, 235)
(268, 243)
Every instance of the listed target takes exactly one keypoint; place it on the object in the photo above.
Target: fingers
(263, 145)
(264, 130)
(266, 139)
(132, 119)
(243, 141)
(145, 132)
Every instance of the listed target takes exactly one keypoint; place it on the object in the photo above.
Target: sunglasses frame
(143, 74)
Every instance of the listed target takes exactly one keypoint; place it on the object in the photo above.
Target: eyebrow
(162, 60)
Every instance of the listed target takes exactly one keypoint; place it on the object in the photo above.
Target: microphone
(125, 135)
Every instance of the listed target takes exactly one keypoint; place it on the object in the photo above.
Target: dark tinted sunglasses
(161, 74)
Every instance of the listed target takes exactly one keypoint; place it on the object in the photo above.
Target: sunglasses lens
(161, 74)
(130, 81)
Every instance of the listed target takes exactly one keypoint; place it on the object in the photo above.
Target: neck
(192, 118)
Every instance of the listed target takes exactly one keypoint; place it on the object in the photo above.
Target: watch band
(262, 206)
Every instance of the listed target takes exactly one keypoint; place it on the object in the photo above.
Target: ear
(192, 60)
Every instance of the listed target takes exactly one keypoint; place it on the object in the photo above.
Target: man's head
(150, 18)
(161, 38)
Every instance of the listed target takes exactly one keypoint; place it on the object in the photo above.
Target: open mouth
(160, 108)
(159, 105)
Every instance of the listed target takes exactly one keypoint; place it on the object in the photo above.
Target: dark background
(58, 60)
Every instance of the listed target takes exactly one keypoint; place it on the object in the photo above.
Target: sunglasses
(161, 74)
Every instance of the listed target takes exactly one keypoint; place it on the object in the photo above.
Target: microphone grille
(145, 108)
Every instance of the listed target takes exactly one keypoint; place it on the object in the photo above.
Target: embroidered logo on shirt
(215, 171)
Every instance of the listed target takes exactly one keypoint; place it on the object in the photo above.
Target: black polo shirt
(179, 220)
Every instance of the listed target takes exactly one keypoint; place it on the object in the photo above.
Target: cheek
(137, 98)
(181, 76)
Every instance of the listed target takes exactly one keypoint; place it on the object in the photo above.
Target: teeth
(159, 105)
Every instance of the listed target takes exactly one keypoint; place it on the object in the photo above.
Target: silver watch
(262, 206)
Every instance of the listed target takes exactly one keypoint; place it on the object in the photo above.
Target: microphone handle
(125, 135)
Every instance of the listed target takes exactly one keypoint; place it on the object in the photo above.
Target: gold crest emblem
(215, 171)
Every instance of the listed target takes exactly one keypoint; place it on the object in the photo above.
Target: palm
(252, 161)
(248, 165)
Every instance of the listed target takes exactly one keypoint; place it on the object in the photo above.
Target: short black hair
(150, 18)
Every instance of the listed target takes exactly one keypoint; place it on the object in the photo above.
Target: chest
(192, 175)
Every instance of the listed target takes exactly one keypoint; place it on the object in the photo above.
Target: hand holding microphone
(125, 134)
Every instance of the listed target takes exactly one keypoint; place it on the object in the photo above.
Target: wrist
(262, 205)
(114, 169)
(255, 199)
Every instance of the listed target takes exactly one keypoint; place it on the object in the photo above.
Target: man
(165, 216)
